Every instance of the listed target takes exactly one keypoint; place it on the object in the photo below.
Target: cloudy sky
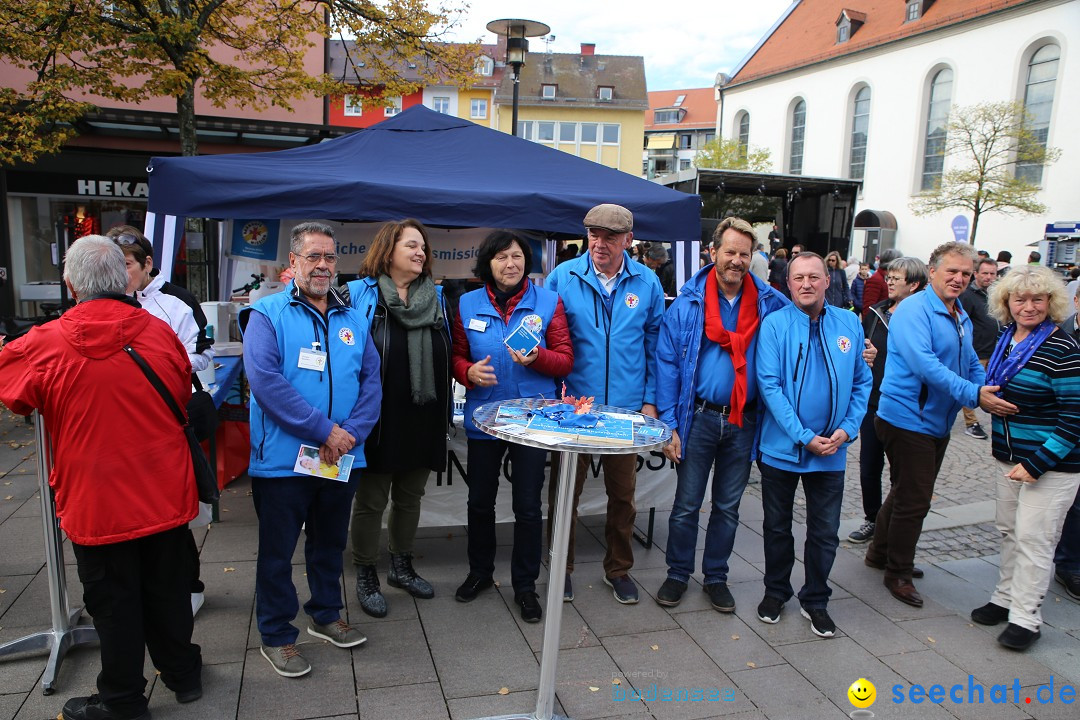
(685, 44)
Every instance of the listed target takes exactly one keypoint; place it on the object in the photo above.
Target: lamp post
(517, 33)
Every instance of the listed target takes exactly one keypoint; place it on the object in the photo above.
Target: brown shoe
(916, 572)
(904, 591)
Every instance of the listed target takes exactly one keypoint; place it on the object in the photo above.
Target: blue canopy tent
(442, 170)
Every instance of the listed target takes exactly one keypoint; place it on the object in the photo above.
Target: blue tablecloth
(225, 377)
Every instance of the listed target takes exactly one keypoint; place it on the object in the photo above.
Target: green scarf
(418, 316)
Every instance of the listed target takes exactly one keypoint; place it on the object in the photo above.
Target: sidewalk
(443, 659)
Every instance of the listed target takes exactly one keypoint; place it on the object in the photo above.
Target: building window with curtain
(744, 135)
(798, 135)
(937, 118)
(860, 126)
(478, 108)
(1042, 72)
(441, 105)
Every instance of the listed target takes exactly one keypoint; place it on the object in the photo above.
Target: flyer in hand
(522, 340)
(309, 463)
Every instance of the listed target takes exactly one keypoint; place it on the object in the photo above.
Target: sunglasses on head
(129, 239)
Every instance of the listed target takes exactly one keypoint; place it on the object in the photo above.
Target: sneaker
(471, 587)
(670, 593)
(975, 430)
(769, 609)
(720, 597)
(990, 614)
(1071, 583)
(623, 588)
(338, 633)
(1015, 637)
(863, 534)
(286, 660)
(91, 708)
(529, 604)
(820, 622)
(568, 590)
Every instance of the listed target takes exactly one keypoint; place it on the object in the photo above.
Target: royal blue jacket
(679, 346)
(932, 369)
(783, 347)
(515, 380)
(290, 405)
(614, 352)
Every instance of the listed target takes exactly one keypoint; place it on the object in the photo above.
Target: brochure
(308, 463)
(523, 340)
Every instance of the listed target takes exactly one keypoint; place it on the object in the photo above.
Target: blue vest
(342, 335)
(515, 381)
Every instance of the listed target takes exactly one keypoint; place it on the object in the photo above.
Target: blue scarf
(1002, 368)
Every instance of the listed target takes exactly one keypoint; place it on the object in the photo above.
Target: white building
(860, 89)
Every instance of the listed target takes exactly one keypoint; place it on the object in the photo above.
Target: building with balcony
(677, 125)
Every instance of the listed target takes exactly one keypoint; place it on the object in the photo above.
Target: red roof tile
(699, 103)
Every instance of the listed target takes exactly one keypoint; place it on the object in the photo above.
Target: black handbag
(205, 474)
(201, 412)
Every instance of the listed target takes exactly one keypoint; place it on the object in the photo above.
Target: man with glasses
(613, 307)
(314, 381)
(985, 329)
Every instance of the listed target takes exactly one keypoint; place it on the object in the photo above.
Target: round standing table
(486, 417)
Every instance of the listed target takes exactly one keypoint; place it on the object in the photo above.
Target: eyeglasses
(127, 239)
(895, 279)
(330, 258)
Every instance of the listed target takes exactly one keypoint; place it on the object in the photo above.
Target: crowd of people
(757, 359)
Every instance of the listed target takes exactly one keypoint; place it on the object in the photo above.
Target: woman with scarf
(492, 371)
(410, 328)
(1037, 366)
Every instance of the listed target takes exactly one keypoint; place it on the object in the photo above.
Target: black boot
(368, 591)
(401, 575)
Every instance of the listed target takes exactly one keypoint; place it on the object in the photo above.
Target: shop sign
(91, 186)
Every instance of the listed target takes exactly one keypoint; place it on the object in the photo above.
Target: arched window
(798, 135)
(744, 134)
(1042, 72)
(937, 118)
(860, 126)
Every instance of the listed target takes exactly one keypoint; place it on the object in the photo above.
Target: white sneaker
(197, 600)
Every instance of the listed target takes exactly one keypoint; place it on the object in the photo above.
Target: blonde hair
(1033, 279)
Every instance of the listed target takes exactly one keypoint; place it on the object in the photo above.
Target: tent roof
(437, 168)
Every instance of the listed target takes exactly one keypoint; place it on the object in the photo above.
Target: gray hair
(955, 248)
(658, 253)
(301, 231)
(914, 270)
(1034, 279)
(887, 256)
(94, 265)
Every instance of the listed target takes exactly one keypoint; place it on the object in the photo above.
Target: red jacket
(121, 465)
(875, 290)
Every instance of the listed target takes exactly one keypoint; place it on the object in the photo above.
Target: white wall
(430, 93)
(988, 58)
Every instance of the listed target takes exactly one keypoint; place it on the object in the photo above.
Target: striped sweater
(1045, 434)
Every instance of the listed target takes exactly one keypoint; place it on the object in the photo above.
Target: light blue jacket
(932, 369)
(614, 354)
(783, 346)
(679, 345)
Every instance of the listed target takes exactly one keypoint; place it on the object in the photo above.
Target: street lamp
(516, 33)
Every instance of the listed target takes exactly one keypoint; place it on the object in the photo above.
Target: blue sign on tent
(255, 239)
(960, 228)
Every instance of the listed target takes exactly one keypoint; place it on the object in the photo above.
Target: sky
(684, 44)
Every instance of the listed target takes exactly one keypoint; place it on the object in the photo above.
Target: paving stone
(327, 690)
(221, 695)
(727, 640)
(594, 602)
(492, 705)
(229, 542)
(870, 629)
(783, 694)
(395, 653)
(9, 705)
(580, 669)
(423, 701)
(23, 543)
(793, 627)
(976, 571)
(13, 586)
(574, 632)
(77, 678)
(1050, 710)
(222, 632)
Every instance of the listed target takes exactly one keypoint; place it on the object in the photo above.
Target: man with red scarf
(706, 391)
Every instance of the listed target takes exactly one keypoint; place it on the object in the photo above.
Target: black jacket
(984, 327)
(876, 329)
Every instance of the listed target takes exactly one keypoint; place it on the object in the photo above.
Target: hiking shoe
(623, 588)
(368, 591)
(91, 708)
(286, 660)
(471, 587)
(990, 614)
(670, 593)
(820, 622)
(720, 597)
(568, 590)
(402, 575)
(863, 534)
(975, 430)
(1015, 637)
(338, 633)
(769, 609)
(1071, 583)
(529, 604)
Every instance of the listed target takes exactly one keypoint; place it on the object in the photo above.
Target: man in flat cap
(613, 307)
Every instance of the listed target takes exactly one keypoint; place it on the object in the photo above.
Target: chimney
(588, 48)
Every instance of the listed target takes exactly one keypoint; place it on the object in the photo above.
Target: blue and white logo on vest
(346, 336)
(843, 343)
(631, 300)
(534, 323)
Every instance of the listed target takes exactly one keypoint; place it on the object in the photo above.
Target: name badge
(477, 325)
(311, 359)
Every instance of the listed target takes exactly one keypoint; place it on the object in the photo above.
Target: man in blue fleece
(314, 381)
(815, 384)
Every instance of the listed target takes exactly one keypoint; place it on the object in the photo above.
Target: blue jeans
(824, 494)
(322, 507)
(712, 444)
(1067, 557)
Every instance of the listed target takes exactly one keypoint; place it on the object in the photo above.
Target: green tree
(730, 154)
(247, 52)
(985, 144)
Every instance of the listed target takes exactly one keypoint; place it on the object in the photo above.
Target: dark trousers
(284, 505)
(914, 461)
(871, 466)
(1067, 556)
(526, 482)
(824, 495)
(197, 585)
(139, 594)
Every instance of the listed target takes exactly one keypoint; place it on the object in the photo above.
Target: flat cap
(615, 218)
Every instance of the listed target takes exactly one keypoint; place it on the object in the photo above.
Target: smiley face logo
(862, 693)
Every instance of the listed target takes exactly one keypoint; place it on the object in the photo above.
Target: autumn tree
(730, 154)
(991, 148)
(246, 52)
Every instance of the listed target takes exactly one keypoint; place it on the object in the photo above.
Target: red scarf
(734, 343)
